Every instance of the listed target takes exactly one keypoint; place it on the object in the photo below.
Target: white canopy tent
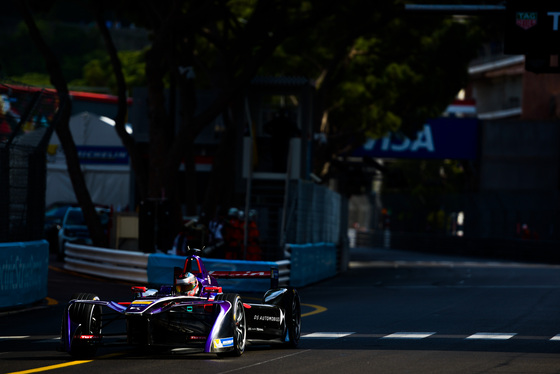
(103, 158)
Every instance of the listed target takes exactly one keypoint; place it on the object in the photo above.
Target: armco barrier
(116, 264)
(156, 269)
(312, 263)
(24, 268)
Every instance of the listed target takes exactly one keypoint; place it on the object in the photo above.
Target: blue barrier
(160, 271)
(24, 271)
(312, 263)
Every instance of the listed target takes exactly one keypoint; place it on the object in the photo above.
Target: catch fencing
(314, 214)
(27, 118)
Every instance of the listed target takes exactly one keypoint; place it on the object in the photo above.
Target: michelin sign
(440, 138)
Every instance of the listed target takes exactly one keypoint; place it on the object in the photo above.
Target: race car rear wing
(194, 264)
(272, 274)
(260, 274)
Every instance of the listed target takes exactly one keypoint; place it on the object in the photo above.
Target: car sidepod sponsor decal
(140, 304)
(223, 343)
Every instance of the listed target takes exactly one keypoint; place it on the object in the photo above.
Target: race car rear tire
(239, 324)
(89, 318)
(293, 318)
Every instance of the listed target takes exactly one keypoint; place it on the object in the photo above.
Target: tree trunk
(162, 177)
(221, 185)
(63, 130)
(136, 162)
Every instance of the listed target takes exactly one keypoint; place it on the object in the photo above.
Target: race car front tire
(239, 324)
(293, 318)
(88, 316)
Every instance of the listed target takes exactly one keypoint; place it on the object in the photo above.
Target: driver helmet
(187, 285)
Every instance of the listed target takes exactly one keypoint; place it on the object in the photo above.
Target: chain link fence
(315, 214)
(27, 117)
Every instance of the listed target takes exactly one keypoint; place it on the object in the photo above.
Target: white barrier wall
(157, 269)
(124, 265)
(308, 264)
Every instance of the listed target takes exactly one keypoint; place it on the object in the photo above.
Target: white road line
(409, 335)
(326, 335)
(492, 335)
(447, 264)
(417, 335)
(471, 286)
(17, 337)
(51, 340)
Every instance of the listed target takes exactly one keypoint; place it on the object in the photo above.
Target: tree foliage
(98, 72)
(376, 70)
(391, 74)
(73, 44)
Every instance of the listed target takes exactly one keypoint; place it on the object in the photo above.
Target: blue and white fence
(312, 263)
(156, 269)
(308, 264)
(24, 270)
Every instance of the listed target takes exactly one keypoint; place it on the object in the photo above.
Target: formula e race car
(192, 313)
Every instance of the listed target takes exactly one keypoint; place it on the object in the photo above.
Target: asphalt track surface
(391, 312)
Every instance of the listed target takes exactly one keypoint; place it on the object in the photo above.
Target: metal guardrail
(284, 272)
(129, 265)
(108, 263)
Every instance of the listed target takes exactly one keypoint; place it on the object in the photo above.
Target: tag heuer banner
(526, 20)
(532, 27)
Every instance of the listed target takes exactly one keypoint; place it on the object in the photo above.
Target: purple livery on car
(192, 313)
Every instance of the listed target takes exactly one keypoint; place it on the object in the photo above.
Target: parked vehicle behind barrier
(75, 230)
(54, 215)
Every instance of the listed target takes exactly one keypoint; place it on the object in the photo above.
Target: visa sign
(440, 138)
(424, 140)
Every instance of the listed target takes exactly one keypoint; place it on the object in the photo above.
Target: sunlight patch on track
(409, 335)
(326, 335)
(492, 336)
(13, 337)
